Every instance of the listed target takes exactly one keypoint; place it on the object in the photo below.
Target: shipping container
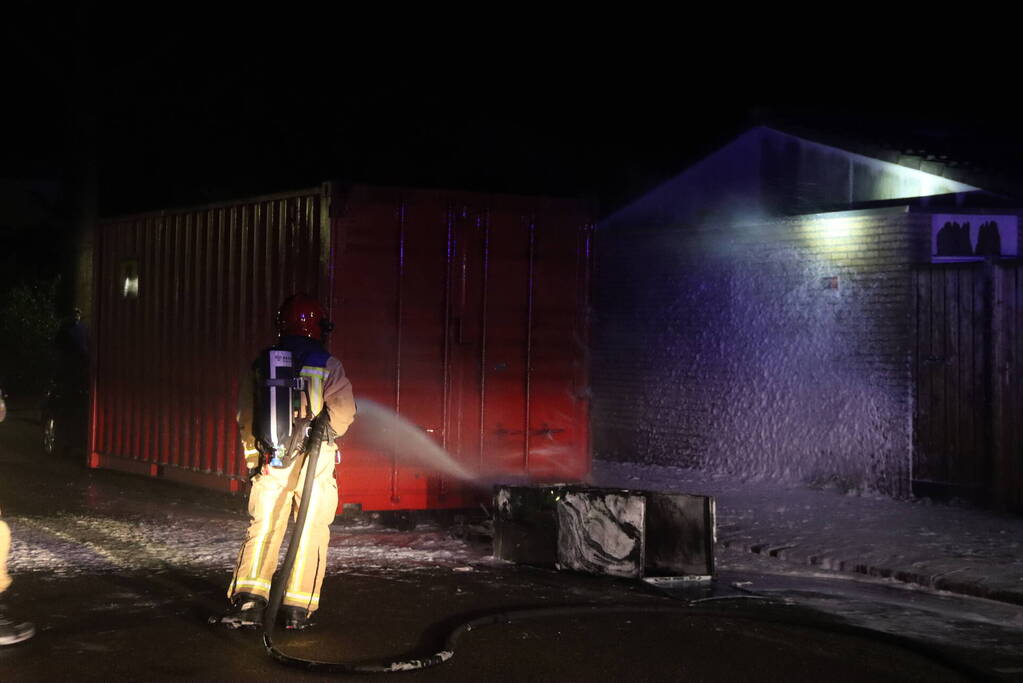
(463, 314)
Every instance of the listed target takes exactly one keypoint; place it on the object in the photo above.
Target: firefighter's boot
(295, 618)
(246, 611)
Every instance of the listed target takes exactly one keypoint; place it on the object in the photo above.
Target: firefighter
(277, 486)
(10, 631)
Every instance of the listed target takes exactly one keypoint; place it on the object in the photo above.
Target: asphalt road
(132, 621)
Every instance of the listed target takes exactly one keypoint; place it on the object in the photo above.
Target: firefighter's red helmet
(303, 316)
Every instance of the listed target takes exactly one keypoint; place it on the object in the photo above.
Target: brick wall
(768, 348)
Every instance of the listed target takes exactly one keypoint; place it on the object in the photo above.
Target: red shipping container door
(464, 314)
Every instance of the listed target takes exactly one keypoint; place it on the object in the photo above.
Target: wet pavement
(101, 628)
(120, 574)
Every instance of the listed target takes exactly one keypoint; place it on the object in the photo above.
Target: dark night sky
(207, 104)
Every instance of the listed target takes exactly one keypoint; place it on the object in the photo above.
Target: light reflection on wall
(833, 236)
(837, 229)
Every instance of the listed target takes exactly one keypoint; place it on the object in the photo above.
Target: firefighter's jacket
(329, 389)
(5, 546)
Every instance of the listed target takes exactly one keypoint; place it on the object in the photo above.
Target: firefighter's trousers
(5, 547)
(276, 496)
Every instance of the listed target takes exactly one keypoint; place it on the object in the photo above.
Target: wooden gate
(966, 436)
(1007, 389)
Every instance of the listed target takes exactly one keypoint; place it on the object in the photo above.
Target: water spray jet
(386, 433)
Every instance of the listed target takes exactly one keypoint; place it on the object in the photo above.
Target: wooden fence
(968, 372)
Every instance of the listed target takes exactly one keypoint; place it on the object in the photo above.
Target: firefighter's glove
(316, 434)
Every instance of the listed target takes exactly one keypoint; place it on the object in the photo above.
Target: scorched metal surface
(463, 313)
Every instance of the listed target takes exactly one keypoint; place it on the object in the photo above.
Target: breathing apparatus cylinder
(276, 384)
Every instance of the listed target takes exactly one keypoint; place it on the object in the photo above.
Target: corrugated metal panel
(209, 282)
(466, 315)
